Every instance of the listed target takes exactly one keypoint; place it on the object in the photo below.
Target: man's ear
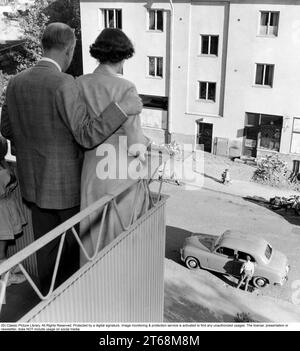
(69, 51)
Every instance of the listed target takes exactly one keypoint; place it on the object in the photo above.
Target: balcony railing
(121, 283)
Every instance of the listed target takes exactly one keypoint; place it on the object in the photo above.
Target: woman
(111, 49)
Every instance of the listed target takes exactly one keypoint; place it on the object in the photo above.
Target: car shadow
(289, 215)
(175, 238)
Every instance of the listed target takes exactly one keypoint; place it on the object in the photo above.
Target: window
(207, 91)
(226, 251)
(268, 252)
(209, 44)
(156, 20)
(155, 66)
(269, 23)
(263, 131)
(153, 101)
(112, 18)
(270, 132)
(264, 75)
(295, 146)
(243, 256)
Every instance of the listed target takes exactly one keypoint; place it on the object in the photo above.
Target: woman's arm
(137, 142)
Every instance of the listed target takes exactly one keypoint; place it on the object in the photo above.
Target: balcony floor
(20, 299)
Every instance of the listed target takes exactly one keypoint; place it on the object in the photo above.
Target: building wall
(245, 48)
(240, 48)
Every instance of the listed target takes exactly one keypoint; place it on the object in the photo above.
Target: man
(46, 119)
(247, 271)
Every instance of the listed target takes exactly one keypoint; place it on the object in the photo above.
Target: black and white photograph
(149, 166)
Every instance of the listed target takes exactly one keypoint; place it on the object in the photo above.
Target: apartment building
(224, 74)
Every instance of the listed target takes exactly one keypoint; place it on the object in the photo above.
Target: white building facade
(224, 74)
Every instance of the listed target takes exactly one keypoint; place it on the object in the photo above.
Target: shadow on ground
(188, 299)
(212, 178)
(288, 215)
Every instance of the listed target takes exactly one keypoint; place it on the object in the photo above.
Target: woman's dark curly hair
(112, 45)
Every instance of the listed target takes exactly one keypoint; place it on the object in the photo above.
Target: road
(209, 212)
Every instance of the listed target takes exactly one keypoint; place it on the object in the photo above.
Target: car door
(221, 260)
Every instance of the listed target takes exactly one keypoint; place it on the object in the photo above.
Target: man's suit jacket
(46, 118)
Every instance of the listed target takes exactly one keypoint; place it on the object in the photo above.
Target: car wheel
(260, 282)
(192, 263)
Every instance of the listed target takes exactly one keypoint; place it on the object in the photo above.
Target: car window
(226, 251)
(243, 256)
(268, 252)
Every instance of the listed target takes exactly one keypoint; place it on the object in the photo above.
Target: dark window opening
(243, 256)
(207, 91)
(209, 44)
(112, 18)
(152, 101)
(264, 75)
(156, 21)
(226, 251)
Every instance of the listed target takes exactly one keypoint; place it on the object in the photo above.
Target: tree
(68, 11)
(33, 23)
(4, 78)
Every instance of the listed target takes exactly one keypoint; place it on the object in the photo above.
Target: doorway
(204, 135)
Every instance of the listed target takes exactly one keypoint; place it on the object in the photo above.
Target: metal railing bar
(53, 234)
(54, 275)
(154, 203)
(3, 289)
(115, 206)
(88, 257)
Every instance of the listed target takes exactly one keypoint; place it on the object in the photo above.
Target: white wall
(245, 48)
(147, 43)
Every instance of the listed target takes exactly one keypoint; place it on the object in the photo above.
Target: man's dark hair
(112, 46)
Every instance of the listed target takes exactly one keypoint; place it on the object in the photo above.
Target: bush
(271, 170)
(244, 318)
(4, 78)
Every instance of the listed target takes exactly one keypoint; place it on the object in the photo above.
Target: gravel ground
(214, 166)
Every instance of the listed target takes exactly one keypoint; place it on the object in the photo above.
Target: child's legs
(3, 245)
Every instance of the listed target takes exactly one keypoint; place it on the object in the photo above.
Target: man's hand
(131, 103)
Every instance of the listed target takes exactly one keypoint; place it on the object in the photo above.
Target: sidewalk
(208, 176)
(247, 189)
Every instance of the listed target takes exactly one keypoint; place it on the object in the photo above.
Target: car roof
(241, 241)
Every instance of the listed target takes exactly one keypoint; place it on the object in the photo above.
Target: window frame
(207, 89)
(252, 259)
(209, 54)
(268, 26)
(155, 20)
(297, 132)
(156, 58)
(264, 75)
(105, 19)
(225, 255)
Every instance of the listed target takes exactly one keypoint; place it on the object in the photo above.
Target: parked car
(227, 253)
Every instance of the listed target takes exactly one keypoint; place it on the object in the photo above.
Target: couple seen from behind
(57, 125)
